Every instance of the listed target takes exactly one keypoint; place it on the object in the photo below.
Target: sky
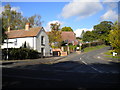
(77, 14)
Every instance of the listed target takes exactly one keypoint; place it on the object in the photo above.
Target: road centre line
(84, 62)
(91, 66)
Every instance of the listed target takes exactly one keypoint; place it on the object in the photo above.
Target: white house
(36, 38)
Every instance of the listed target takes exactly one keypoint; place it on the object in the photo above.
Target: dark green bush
(20, 53)
(84, 45)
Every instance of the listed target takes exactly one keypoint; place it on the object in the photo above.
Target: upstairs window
(42, 40)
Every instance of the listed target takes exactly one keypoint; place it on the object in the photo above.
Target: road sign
(114, 53)
(80, 44)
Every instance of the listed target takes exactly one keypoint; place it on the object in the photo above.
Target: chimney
(27, 26)
(8, 28)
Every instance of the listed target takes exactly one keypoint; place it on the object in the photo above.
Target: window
(15, 42)
(42, 40)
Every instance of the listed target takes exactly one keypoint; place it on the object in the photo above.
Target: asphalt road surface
(79, 71)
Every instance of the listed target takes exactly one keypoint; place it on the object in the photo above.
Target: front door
(42, 51)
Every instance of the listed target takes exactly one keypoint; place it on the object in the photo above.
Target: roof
(24, 33)
(69, 36)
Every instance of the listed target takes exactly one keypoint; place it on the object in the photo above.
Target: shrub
(20, 53)
(84, 45)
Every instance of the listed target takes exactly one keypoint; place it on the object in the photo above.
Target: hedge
(20, 53)
(84, 45)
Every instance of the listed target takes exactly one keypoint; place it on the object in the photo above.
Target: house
(35, 38)
(69, 37)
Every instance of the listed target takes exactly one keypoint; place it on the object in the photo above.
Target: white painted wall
(46, 42)
(19, 42)
(34, 43)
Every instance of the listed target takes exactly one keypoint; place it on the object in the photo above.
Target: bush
(20, 53)
(84, 45)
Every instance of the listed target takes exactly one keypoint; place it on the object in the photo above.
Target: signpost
(7, 46)
(80, 46)
(114, 53)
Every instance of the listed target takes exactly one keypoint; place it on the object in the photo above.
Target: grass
(109, 54)
(113, 57)
(88, 49)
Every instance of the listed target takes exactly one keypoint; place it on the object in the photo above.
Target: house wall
(46, 43)
(18, 42)
(33, 42)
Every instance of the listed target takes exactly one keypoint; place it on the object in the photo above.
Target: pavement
(51, 60)
(47, 60)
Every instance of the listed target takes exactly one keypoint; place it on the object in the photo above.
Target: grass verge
(113, 57)
(88, 49)
(109, 55)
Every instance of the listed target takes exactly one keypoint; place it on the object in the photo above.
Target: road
(76, 71)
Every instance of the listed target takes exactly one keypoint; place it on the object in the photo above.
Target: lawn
(88, 49)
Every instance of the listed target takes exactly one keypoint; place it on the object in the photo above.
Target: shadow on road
(69, 74)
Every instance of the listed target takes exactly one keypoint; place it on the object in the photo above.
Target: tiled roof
(23, 33)
(69, 36)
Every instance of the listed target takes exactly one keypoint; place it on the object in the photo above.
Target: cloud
(17, 9)
(81, 9)
(47, 28)
(111, 0)
(111, 5)
(109, 15)
(79, 31)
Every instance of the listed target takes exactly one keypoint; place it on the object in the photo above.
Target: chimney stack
(27, 26)
(8, 28)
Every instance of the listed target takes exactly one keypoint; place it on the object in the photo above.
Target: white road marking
(84, 62)
(98, 57)
(96, 69)
(92, 67)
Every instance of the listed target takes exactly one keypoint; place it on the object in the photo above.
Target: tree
(11, 18)
(88, 36)
(55, 26)
(16, 21)
(114, 37)
(55, 35)
(102, 30)
(82, 33)
(35, 20)
(67, 29)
